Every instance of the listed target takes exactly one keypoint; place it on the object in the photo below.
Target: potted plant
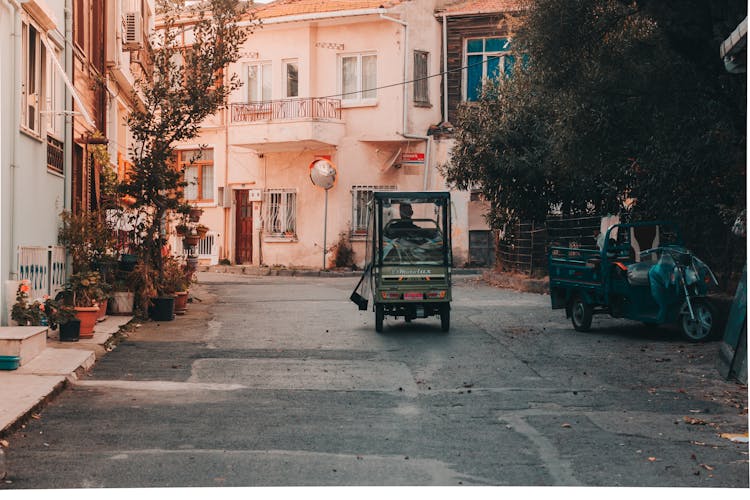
(122, 297)
(82, 290)
(178, 280)
(201, 230)
(171, 280)
(63, 316)
(191, 238)
(181, 229)
(195, 214)
(24, 312)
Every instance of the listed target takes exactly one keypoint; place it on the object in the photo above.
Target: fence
(523, 247)
(44, 267)
(207, 249)
(287, 109)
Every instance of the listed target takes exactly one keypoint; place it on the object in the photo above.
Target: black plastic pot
(162, 309)
(70, 331)
(127, 262)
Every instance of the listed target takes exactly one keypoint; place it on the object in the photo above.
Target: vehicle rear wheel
(379, 316)
(445, 317)
(700, 328)
(581, 314)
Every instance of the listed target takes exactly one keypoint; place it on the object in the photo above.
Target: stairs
(24, 342)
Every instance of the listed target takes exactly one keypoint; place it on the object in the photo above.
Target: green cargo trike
(641, 271)
(408, 261)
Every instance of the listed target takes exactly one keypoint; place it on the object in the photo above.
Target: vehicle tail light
(390, 295)
(436, 294)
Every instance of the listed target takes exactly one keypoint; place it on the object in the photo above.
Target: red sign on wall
(412, 157)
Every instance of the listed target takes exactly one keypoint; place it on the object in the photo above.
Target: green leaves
(619, 99)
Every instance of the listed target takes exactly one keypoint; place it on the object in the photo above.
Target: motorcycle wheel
(702, 327)
(581, 314)
(379, 316)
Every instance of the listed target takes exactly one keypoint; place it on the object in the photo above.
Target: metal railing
(313, 108)
(44, 267)
(207, 248)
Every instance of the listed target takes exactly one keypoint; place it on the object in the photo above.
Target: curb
(305, 273)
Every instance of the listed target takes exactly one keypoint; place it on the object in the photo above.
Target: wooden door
(243, 251)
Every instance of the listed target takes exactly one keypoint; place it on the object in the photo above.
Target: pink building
(356, 82)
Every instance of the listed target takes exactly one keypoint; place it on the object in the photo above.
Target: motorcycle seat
(638, 273)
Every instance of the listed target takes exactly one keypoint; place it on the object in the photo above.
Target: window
(291, 68)
(421, 95)
(259, 82)
(198, 166)
(54, 98)
(280, 212)
(362, 205)
(34, 75)
(359, 77)
(486, 58)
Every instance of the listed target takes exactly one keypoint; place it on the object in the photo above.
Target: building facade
(68, 89)
(360, 87)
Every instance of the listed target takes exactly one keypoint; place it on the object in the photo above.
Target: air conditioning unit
(132, 31)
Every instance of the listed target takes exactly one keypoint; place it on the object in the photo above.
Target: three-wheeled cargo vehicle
(408, 261)
(641, 272)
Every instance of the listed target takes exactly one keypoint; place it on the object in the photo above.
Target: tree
(190, 54)
(619, 99)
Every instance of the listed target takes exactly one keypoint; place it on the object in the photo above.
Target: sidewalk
(26, 389)
(249, 270)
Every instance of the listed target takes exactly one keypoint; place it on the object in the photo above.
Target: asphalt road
(280, 381)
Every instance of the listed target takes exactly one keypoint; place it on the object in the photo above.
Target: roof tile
(457, 7)
(282, 8)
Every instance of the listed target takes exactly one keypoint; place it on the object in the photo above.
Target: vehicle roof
(426, 195)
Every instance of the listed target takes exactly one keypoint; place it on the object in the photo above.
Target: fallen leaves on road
(652, 459)
(736, 438)
(4, 443)
(707, 467)
(567, 426)
(694, 421)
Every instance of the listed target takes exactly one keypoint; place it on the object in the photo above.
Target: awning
(67, 81)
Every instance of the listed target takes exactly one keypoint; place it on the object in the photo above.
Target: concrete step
(25, 342)
(71, 363)
(21, 394)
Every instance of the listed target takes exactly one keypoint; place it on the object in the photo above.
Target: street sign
(412, 158)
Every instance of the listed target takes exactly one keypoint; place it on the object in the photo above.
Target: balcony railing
(316, 108)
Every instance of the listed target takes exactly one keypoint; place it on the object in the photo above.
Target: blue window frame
(486, 59)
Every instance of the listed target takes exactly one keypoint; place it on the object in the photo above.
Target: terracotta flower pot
(195, 214)
(102, 309)
(190, 240)
(202, 231)
(88, 316)
(180, 302)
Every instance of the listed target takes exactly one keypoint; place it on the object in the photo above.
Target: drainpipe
(69, 119)
(445, 69)
(426, 138)
(16, 44)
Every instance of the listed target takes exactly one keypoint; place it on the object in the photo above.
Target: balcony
(286, 125)
(314, 108)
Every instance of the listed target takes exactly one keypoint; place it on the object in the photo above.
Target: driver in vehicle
(405, 211)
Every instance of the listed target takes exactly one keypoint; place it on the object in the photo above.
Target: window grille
(55, 156)
(280, 212)
(361, 207)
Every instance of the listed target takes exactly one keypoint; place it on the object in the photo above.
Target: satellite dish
(323, 173)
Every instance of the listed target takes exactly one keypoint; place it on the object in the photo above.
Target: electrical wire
(407, 82)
